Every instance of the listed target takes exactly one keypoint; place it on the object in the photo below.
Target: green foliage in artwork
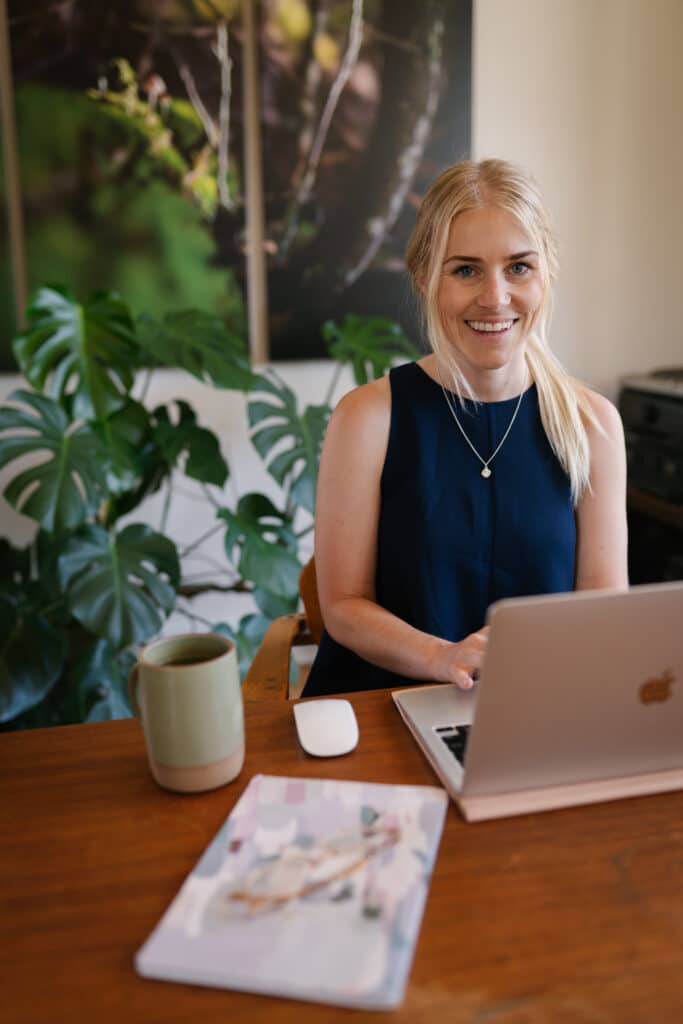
(168, 253)
(96, 214)
(160, 137)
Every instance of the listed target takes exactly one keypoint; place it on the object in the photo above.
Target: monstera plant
(83, 451)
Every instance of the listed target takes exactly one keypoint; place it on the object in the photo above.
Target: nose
(494, 292)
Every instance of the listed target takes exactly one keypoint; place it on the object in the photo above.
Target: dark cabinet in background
(651, 408)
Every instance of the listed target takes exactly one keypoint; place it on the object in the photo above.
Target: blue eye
(519, 269)
(466, 270)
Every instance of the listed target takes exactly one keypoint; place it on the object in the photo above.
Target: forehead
(487, 231)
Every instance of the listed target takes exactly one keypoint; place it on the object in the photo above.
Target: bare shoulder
(606, 416)
(364, 411)
(370, 399)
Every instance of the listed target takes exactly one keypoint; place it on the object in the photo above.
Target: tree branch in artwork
(225, 62)
(311, 87)
(379, 226)
(309, 110)
(348, 63)
(196, 101)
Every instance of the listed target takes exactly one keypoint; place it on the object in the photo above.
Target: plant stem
(211, 563)
(224, 115)
(167, 506)
(302, 533)
(200, 540)
(49, 608)
(333, 383)
(145, 387)
(210, 498)
(194, 617)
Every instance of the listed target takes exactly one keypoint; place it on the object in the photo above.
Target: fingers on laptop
(467, 657)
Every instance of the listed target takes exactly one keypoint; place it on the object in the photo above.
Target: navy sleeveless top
(449, 541)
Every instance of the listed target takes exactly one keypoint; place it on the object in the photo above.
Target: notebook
(312, 889)
(580, 699)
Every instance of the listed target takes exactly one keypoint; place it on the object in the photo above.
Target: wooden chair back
(308, 588)
(269, 673)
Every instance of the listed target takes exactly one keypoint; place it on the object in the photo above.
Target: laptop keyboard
(455, 738)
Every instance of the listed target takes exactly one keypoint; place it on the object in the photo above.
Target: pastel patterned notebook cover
(312, 889)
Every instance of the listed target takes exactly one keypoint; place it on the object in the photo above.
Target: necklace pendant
(486, 472)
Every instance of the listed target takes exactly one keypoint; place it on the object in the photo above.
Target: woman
(480, 472)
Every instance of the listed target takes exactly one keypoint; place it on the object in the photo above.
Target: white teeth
(482, 325)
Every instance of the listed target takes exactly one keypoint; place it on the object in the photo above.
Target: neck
(497, 385)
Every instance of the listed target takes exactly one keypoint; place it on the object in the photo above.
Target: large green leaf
(204, 461)
(201, 344)
(87, 351)
(273, 605)
(370, 345)
(127, 435)
(247, 637)
(297, 440)
(119, 586)
(32, 655)
(101, 677)
(64, 489)
(260, 541)
(137, 466)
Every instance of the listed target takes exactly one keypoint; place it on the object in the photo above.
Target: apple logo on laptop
(657, 689)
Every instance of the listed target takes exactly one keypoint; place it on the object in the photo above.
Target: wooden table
(566, 916)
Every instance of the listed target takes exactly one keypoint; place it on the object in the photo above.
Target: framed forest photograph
(131, 124)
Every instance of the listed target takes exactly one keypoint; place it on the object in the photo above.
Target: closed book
(312, 889)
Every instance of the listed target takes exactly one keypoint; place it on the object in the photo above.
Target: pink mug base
(198, 778)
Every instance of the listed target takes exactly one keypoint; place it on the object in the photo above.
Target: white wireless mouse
(326, 728)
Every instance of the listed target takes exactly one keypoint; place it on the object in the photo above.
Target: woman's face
(490, 290)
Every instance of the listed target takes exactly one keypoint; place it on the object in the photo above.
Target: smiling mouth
(491, 326)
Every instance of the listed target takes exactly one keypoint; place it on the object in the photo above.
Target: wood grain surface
(565, 916)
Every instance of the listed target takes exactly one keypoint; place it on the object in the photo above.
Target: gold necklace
(486, 472)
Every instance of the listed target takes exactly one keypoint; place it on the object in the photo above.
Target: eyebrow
(477, 259)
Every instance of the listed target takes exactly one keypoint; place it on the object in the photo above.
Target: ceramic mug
(186, 692)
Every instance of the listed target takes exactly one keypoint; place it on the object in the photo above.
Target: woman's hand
(459, 663)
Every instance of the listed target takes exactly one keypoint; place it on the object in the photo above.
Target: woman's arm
(346, 522)
(601, 512)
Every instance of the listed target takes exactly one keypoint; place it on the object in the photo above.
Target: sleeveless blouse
(449, 541)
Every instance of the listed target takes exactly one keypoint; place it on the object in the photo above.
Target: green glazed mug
(186, 692)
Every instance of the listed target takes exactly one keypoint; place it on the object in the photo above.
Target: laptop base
(546, 798)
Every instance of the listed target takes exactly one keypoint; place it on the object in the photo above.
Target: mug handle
(133, 690)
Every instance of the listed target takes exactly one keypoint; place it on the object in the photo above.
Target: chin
(490, 361)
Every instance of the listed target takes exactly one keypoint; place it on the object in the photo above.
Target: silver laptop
(580, 699)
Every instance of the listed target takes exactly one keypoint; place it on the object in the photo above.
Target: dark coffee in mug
(187, 659)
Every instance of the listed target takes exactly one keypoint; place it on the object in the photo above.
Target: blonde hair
(563, 401)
